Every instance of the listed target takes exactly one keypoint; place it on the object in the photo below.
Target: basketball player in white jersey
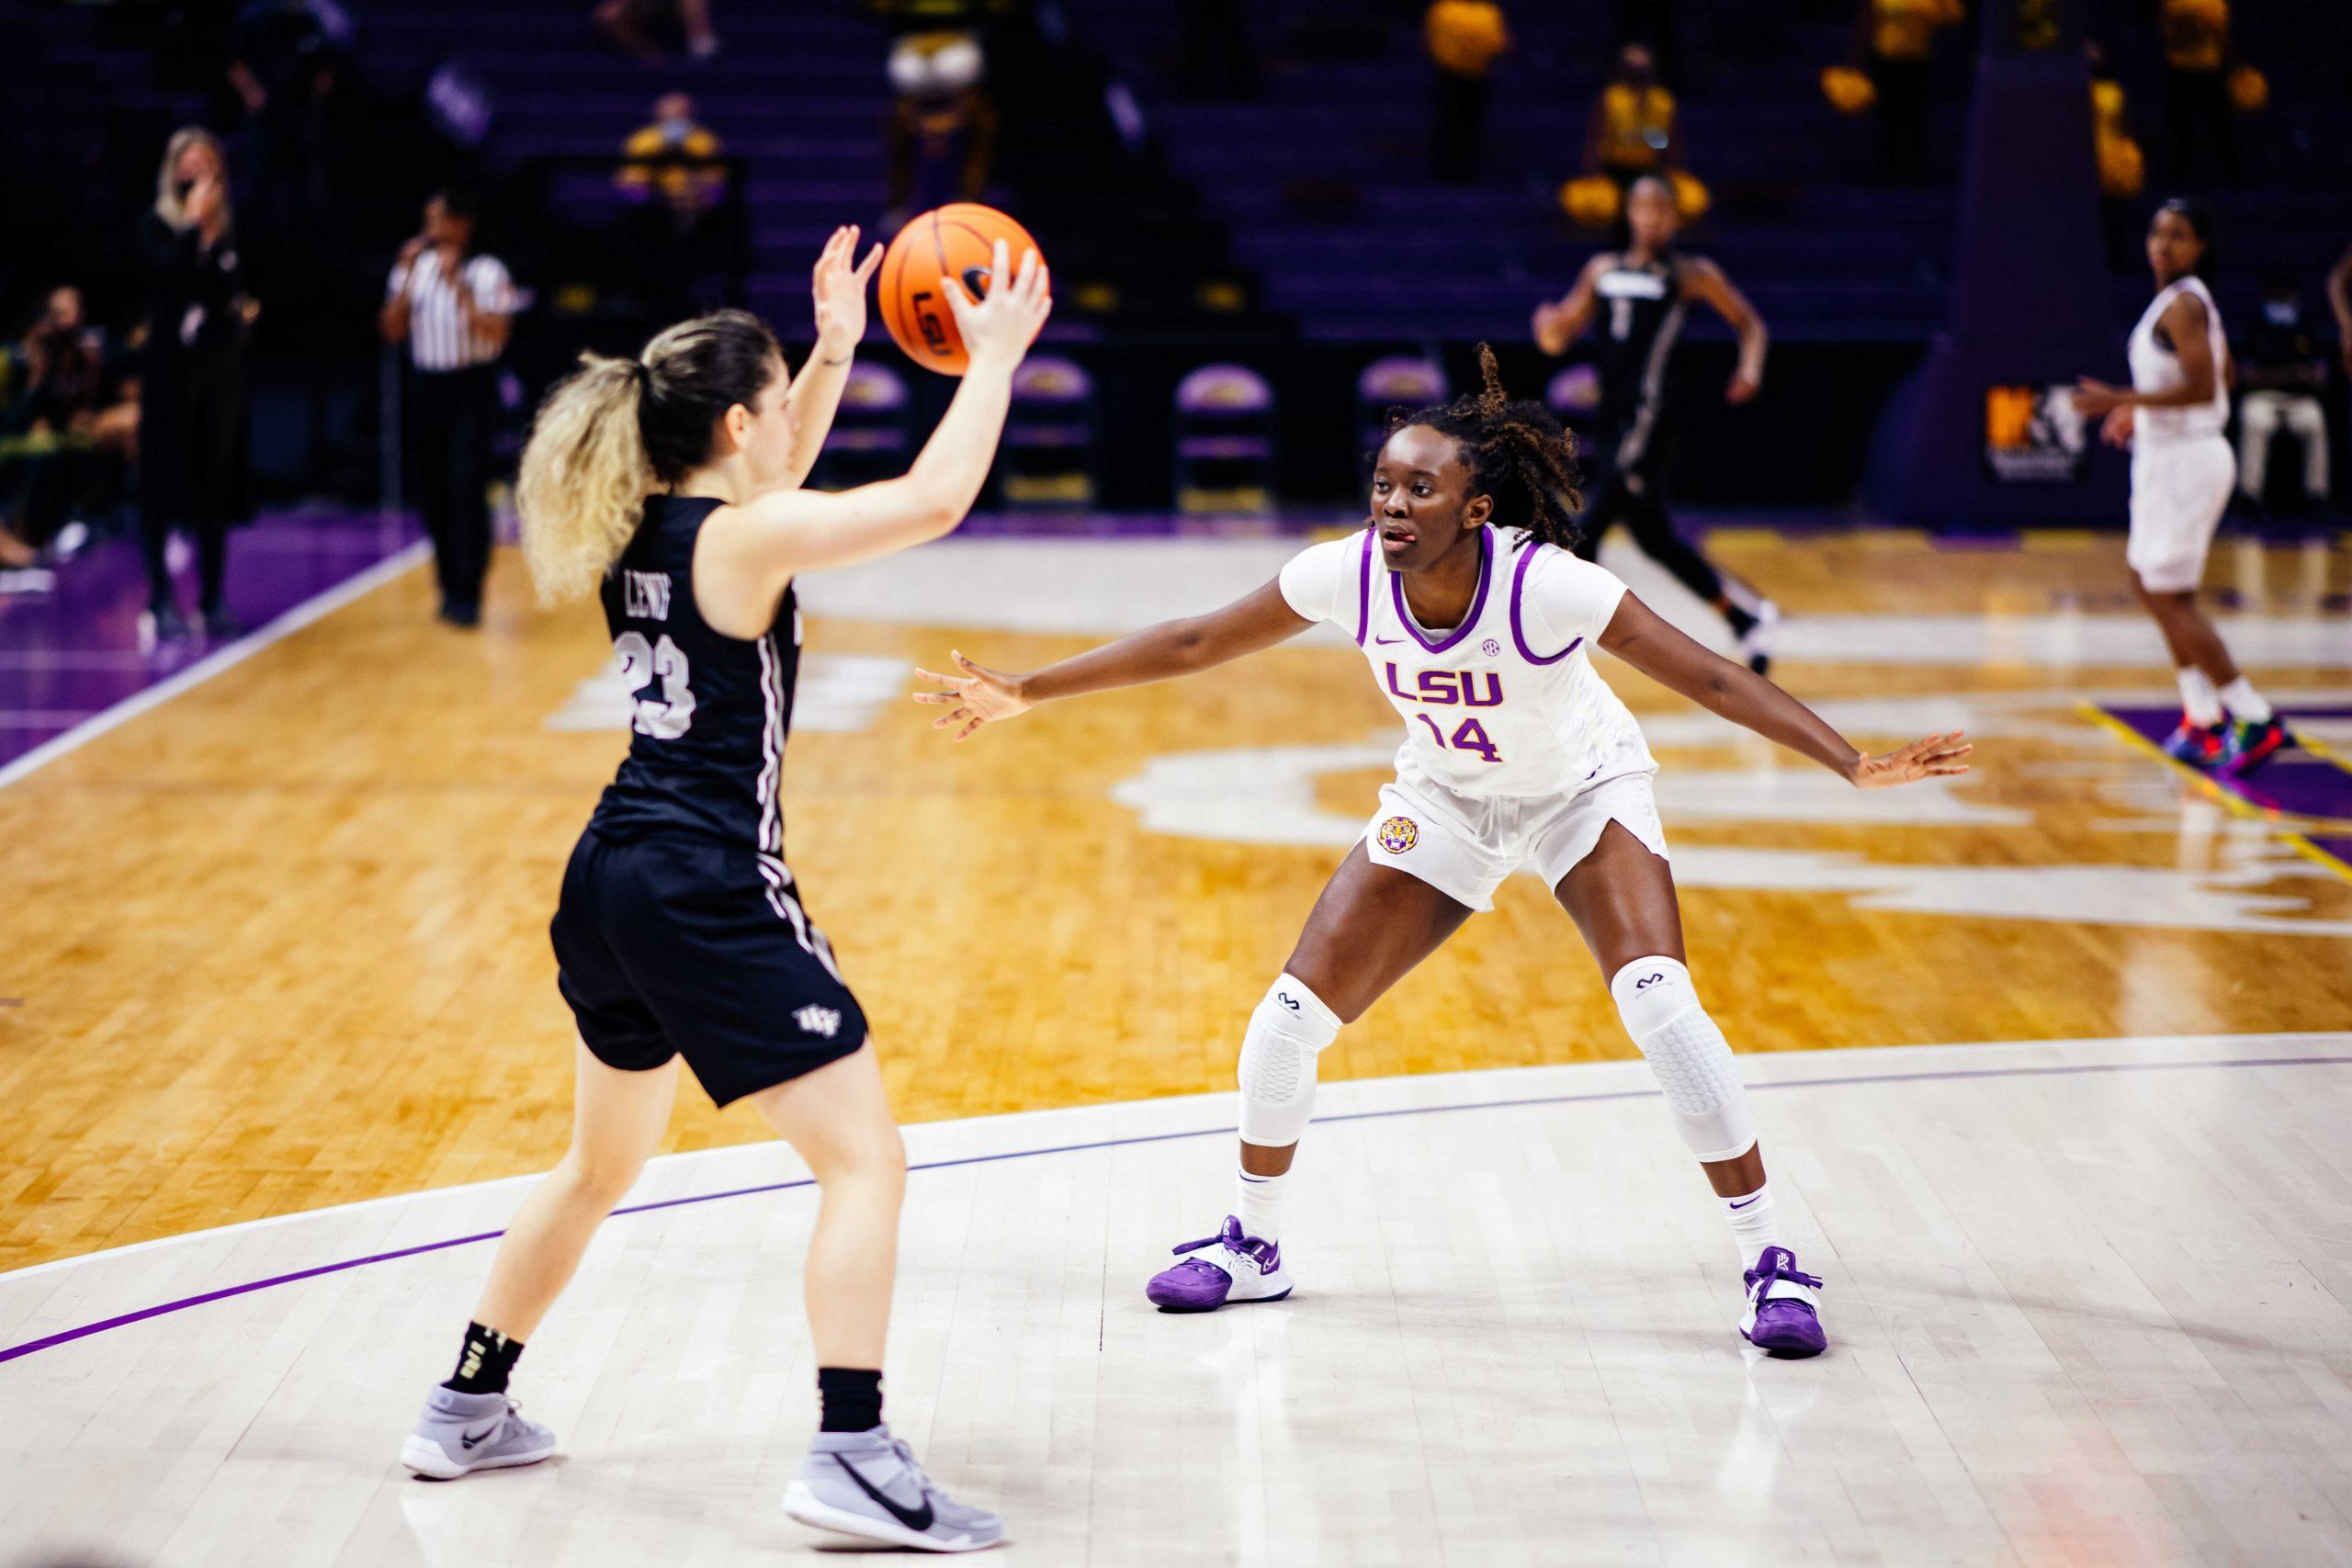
(2182, 472)
(1465, 591)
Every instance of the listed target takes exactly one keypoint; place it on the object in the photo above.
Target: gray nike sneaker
(459, 1433)
(868, 1485)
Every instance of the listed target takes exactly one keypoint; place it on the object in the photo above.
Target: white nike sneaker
(460, 1433)
(867, 1484)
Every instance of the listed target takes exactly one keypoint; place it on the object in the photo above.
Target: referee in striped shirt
(453, 308)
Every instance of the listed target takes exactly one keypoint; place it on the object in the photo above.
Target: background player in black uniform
(1640, 294)
(670, 483)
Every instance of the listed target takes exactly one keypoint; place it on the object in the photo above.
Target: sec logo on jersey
(1398, 834)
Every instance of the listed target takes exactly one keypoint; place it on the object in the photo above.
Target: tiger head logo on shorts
(1398, 834)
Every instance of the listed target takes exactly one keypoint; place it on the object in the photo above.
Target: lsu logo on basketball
(927, 322)
(1398, 834)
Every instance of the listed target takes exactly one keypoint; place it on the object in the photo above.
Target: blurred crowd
(290, 217)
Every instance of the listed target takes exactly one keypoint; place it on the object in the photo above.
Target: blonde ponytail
(585, 477)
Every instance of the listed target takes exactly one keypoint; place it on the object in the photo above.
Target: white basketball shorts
(2178, 493)
(1464, 845)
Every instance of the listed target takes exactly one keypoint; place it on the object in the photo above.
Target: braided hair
(1516, 451)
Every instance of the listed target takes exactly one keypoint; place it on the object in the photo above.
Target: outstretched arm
(746, 554)
(1636, 635)
(840, 291)
(980, 695)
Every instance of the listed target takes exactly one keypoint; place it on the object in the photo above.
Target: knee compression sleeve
(1278, 1053)
(1687, 1053)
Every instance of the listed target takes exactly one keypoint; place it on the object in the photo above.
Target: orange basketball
(958, 240)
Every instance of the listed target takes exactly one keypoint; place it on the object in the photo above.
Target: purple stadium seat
(1573, 392)
(1397, 381)
(1224, 441)
(1050, 434)
(870, 438)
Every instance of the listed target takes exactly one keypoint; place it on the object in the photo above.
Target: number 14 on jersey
(1468, 735)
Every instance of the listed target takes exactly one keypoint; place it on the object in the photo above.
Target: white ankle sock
(2245, 704)
(2199, 703)
(1754, 1225)
(1258, 1204)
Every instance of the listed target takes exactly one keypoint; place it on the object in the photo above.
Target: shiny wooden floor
(280, 942)
(2090, 1301)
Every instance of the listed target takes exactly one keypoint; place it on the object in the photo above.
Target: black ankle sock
(850, 1399)
(1741, 621)
(485, 1362)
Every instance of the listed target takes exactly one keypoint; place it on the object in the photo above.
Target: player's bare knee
(1689, 1055)
(599, 1178)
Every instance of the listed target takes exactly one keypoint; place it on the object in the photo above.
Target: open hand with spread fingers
(978, 696)
(1936, 755)
(838, 286)
(1005, 320)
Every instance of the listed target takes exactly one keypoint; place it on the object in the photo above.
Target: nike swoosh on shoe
(916, 1520)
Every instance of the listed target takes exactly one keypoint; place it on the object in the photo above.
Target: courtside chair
(871, 438)
(1224, 442)
(1050, 447)
(1397, 381)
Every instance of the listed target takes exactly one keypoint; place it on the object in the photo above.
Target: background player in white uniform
(1479, 621)
(2182, 473)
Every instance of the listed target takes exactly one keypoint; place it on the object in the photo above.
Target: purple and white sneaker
(1781, 1318)
(1227, 1267)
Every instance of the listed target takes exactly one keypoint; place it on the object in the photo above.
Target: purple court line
(67, 1335)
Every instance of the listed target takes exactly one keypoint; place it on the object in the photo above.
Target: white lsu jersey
(1506, 704)
(2155, 369)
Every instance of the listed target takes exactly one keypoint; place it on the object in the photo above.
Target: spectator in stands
(1463, 38)
(1632, 130)
(71, 428)
(2122, 167)
(286, 60)
(2197, 62)
(943, 126)
(2282, 379)
(1655, 25)
(637, 27)
(677, 184)
(675, 158)
(194, 445)
(453, 308)
(1897, 40)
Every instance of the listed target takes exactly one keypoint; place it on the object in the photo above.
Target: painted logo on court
(1398, 834)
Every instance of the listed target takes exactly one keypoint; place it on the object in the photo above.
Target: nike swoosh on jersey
(1387, 641)
(915, 1519)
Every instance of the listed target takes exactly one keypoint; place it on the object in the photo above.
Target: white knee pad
(1687, 1053)
(1278, 1053)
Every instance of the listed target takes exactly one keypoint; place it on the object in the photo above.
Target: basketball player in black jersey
(1640, 294)
(670, 483)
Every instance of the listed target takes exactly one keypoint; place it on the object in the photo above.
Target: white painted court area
(2090, 1301)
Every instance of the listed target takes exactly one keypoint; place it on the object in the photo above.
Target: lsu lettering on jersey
(1507, 704)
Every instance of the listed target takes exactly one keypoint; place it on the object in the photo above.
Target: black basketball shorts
(685, 946)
